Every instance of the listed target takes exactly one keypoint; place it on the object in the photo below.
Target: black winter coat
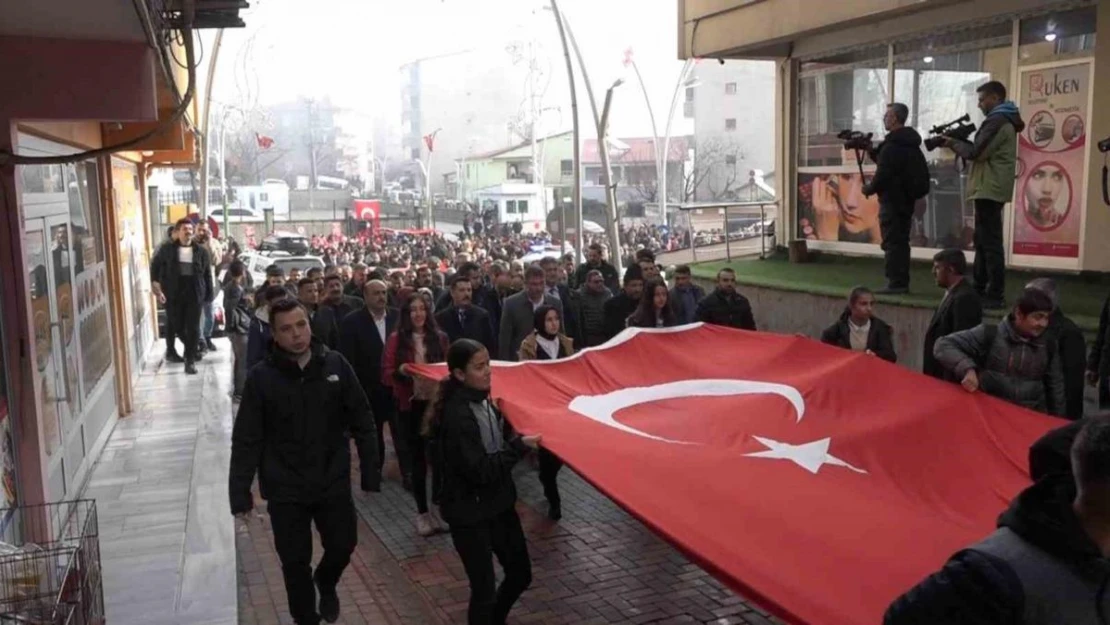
(1099, 358)
(720, 309)
(617, 309)
(960, 310)
(980, 588)
(294, 428)
(1071, 348)
(477, 485)
(880, 338)
(895, 156)
(166, 271)
(364, 348)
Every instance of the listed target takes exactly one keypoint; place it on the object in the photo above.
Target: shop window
(730, 124)
(510, 207)
(522, 206)
(566, 167)
(1047, 37)
(937, 79)
(843, 92)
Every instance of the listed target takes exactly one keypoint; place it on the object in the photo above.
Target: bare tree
(716, 173)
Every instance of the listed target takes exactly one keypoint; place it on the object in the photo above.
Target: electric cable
(9, 158)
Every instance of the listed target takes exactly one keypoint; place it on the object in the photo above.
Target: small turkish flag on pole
(264, 142)
(430, 140)
(627, 57)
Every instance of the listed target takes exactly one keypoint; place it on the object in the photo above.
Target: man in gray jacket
(1012, 361)
(591, 310)
(519, 311)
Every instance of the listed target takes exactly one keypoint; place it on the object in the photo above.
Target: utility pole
(577, 139)
(311, 152)
(204, 146)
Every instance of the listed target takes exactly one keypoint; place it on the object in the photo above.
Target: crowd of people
(328, 355)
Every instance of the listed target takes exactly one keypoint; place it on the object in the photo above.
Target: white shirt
(185, 254)
(380, 322)
(536, 305)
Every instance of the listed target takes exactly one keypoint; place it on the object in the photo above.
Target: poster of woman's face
(1047, 196)
(832, 207)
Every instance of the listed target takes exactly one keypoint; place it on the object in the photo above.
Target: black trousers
(895, 222)
(183, 316)
(549, 473)
(385, 411)
(418, 456)
(990, 254)
(292, 525)
(476, 545)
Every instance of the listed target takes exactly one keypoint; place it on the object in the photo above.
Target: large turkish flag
(818, 482)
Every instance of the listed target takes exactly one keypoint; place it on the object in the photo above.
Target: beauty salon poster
(1051, 173)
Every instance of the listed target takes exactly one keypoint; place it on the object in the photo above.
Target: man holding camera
(993, 159)
(901, 178)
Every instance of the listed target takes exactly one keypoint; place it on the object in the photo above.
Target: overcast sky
(351, 50)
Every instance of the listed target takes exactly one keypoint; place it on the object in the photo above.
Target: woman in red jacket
(417, 340)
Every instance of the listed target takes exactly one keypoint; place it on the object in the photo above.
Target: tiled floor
(167, 540)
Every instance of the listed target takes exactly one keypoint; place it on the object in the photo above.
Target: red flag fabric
(430, 141)
(368, 210)
(818, 482)
(264, 142)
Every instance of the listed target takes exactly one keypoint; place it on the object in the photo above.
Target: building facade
(837, 69)
(77, 233)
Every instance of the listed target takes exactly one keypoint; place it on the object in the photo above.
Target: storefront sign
(1051, 172)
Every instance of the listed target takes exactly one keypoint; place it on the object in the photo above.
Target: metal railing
(761, 228)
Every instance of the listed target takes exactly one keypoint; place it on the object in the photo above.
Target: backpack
(918, 180)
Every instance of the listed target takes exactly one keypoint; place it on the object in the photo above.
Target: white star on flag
(809, 456)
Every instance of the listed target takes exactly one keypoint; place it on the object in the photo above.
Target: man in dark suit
(960, 309)
(462, 320)
(362, 337)
(553, 288)
(518, 316)
(481, 295)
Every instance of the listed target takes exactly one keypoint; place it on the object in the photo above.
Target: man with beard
(595, 260)
(725, 306)
(180, 276)
(462, 320)
(341, 305)
(518, 318)
(620, 306)
(591, 309)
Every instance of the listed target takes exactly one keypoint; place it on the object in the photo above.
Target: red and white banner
(817, 482)
(368, 210)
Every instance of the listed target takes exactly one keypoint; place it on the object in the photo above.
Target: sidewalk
(166, 538)
(172, 553)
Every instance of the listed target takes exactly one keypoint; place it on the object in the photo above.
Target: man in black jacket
(561, 292)
(724, 306)
(959, 310)
(1098, 363)
(362, 338)
(463, 320)
(341, 305)
(322, 318)
(181, 279)
(900, 166)
(1071, 348)
(859, 330)
(481, 295)
(595, 260)
(620, 306)
(300, 408)
(1046, 564)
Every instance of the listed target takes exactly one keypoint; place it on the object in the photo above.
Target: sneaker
(174, 357)
(209, 345)
(437, 521)
(424, 525)
(329, 603)
(190, 368)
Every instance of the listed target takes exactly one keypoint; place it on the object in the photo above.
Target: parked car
(295, 244)
(257, 262)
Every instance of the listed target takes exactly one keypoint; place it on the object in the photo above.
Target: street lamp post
(427, 190)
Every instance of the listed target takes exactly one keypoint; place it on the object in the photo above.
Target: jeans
(990, 254)
(292, 525)
(476, 545)
(549, 473)
(418, 456)
(239, 364)
(895, 222)
(207, 322)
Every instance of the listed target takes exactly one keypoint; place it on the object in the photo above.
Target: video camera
(855, 140)
(959, 129)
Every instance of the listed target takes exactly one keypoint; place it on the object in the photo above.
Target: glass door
(50, 280)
